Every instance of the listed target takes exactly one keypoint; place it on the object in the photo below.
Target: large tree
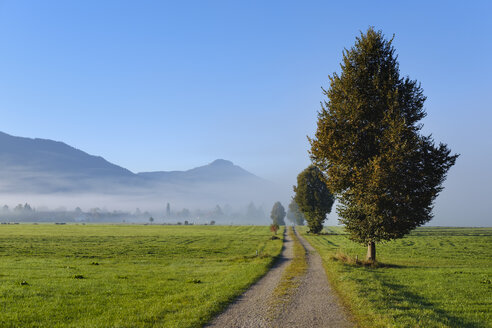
(294, 214)
(313, 197)
(385, 173)
(278, 214)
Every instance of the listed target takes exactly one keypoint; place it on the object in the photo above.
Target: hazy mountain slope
(40, 166)
(219, 170)
(38, 156)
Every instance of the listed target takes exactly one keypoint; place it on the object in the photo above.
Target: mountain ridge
(45, 165)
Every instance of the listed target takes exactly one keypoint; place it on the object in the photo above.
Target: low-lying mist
(57, 180)
(173, 204)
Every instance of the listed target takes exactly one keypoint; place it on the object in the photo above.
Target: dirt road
(313, 304)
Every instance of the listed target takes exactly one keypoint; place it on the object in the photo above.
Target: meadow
(126, 275)
(435, 277)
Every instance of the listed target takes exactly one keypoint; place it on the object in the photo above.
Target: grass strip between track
(291, 277)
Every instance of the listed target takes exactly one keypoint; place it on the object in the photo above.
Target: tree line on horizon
(28, 213)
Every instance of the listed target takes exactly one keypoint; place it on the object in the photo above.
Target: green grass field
(435, 277)
(126, 276)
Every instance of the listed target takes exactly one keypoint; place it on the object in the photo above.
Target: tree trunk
(371, 251)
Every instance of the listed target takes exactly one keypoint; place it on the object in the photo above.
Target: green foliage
(433, 277)
(148, 276)
(313, 197)
(368, 142)
(278, 214)
(294, 214)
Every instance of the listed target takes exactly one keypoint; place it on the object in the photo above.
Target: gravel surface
(251, 308)
(313, 304)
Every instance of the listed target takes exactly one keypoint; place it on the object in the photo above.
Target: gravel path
(313, 304)
(251, 308)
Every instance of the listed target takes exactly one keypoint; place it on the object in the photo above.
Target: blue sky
(156, 85)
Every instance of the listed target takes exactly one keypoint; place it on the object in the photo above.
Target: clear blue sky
(156, 85)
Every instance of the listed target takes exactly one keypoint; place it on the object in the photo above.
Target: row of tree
(26, 208)
(294, 215)
(369, 152)
(311, 203)
(28, 213)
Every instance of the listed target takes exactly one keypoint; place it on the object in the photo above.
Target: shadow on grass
(326, 241)
(403, 304)
(423, 310)
(355, 262)
(328, 233)
(279, 259)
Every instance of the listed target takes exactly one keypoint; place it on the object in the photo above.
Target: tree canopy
(313, 197)
(368, 142)
(278, 214)
(294, 214)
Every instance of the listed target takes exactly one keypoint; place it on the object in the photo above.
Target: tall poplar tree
(385, 173)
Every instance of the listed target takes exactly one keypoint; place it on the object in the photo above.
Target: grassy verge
(435, 277)
(290, 279)
(126, 276)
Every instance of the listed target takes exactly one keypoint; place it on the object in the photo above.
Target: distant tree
(168, 210)
(217, 213)
(151, 219)
(313, 197)
(294, 214)
(227, 209)
(278, 214)
(78, 210)
(138, 212)
(27, 208)
(5, 209)
(385, 173)
(19, 208)
(261, 212)
(186, 222)
(251, 211)
(184, 213)
(212, 222)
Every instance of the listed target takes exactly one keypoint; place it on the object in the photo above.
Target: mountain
(42, 166)
(218, 170)
(43, 155)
